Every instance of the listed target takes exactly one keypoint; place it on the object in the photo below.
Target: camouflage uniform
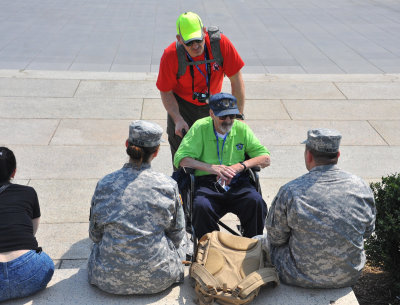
(137, 226)
(317, 224)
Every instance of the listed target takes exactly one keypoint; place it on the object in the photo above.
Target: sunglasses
(189, 44)
(231, 116)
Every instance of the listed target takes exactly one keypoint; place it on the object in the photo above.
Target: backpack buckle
(211, 290)
(236, 291)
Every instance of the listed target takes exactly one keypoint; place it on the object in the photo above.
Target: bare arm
(261, 161)
(35, 223)
(237, 87)
(171, 105)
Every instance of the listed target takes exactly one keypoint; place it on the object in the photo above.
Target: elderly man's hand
(226, 173)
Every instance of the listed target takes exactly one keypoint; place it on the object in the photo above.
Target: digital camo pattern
(137, 226)
(323, 140)
(145, 133)
(316, 228)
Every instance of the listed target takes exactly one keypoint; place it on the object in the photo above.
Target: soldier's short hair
(323, 158)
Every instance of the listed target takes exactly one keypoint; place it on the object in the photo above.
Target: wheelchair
(186, 185)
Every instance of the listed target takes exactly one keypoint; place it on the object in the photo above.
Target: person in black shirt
(24, 268)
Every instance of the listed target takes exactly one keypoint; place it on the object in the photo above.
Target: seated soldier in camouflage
(317, 223)
(136, 222)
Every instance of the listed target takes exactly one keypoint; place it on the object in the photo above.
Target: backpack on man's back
(215, 37)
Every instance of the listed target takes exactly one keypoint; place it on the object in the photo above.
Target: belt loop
(4, 270)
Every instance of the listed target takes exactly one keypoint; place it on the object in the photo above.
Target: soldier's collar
(326, 167)
(131, 165)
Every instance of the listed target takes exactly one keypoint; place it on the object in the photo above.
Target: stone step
(70, 286)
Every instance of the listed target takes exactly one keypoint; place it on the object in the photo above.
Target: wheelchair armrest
(255, 168)
(188, 170)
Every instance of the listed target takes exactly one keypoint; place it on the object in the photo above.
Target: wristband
(244, 165)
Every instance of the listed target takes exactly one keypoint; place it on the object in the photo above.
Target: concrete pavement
(68, 129)
(70, 287)
(286, 36)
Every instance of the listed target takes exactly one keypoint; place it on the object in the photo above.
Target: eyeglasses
(231, 116)
(190, 43)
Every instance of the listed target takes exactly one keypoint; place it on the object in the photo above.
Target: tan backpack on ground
(230, 269)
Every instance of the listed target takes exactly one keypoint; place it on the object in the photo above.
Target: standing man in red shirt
(192, 69)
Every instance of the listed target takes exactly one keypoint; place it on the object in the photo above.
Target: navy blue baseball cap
(223, 104)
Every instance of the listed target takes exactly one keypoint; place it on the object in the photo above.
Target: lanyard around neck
(223, 143)
(208, 69)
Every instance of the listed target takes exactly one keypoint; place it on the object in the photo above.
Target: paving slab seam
(281, 101)
(382, 137)
(151, 76)
(54, 132)
(76, 89)
(142, 109)
(334, 83)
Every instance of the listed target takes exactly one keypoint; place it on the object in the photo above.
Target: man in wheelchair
(215, 147)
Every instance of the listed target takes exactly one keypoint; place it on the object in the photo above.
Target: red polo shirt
(167, 81)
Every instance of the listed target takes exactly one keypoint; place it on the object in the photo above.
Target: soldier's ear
(126, 143)
(309, 156)
(156, 152)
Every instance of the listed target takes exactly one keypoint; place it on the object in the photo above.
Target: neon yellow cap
(189, 26)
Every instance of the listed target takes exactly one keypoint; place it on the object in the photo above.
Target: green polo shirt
(200, 143)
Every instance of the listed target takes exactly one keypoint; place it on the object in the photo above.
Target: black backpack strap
(215, 38)
(3, 187)
(182, 60)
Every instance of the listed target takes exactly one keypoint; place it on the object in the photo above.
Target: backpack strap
(3, 187)
(182, 61)
(215, 37)
(255, 280)
(204, 278)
